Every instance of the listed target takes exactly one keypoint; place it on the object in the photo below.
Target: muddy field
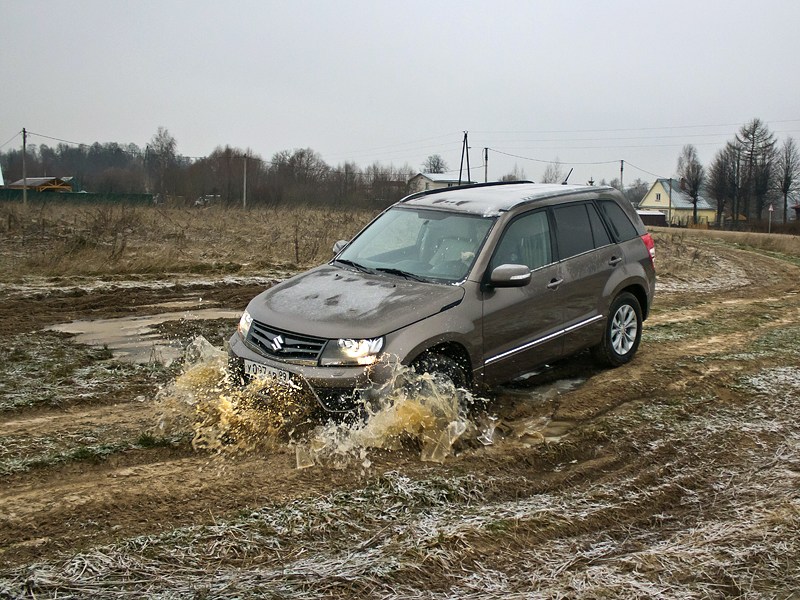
(677, 476)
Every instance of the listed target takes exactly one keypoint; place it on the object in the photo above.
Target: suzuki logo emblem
(277, 343)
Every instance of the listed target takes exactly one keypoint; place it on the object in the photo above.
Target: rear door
(521, 326)
(588, 257)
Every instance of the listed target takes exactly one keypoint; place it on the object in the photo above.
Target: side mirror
(339, 246)
(506, 276)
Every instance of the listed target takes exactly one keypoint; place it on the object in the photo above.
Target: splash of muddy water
(410, 408)
(410, 411)
(223, 416)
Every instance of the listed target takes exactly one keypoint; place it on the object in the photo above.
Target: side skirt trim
(543, 340)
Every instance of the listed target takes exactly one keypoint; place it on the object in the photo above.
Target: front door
(522, 326)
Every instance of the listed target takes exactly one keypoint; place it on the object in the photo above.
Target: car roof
(494, 198)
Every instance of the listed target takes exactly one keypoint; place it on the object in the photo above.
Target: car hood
(330, 302)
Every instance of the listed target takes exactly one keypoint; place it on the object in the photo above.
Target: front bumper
(336, 389)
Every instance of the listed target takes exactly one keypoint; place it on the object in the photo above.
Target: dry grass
(699, 260)
(62, 239)
(778, 243)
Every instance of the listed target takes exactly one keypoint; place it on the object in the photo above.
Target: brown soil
(51, 511)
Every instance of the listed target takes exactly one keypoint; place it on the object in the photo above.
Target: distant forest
(290, 177)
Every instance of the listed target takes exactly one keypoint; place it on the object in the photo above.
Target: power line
(119, 147)
(630, 164)
(57, 139)
(398, 146)
(600, 139)
(539, 160)
(619, 129)
(11, 139)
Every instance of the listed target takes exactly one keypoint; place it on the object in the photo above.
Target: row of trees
(747, 176)
(751, 172)
(289, 176)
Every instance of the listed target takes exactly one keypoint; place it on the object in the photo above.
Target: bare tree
(434, 164)
(723, 182)
(692, 175)
(788, 167)
(517, 174)
(161, 155)
(636, 191)
(553, 172)
(756, 145)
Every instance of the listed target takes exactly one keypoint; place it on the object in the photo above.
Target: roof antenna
(567, 177)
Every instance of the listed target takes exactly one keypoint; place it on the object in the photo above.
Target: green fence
(75, 198)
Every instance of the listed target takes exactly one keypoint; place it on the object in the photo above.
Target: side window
(598, 229)
(618, 221)
(573, 229)
(525, 242)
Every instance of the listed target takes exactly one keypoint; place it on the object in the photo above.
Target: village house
(43, 184)
(668, 197)
(434, 181)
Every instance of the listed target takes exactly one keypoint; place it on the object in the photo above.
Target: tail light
(651, 247)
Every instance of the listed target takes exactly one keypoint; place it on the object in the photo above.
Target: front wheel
(623, 332)
(440, 365)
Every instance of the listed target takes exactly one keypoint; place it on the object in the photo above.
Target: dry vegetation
(677, 476)
(62, 240)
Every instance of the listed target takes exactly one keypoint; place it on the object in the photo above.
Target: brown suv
(481, 283)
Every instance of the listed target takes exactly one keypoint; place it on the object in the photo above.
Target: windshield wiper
(401, 273)
(355, 265)
(388, 270)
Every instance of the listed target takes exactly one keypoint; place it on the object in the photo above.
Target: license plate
(255, 369)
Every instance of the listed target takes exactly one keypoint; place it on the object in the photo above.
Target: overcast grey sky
(587, 82)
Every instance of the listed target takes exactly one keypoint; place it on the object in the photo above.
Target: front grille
(284, 345)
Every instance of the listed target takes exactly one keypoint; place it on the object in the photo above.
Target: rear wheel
(623, 332)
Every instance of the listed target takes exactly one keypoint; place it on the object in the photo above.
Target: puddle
(524, 415)
(222, 417)
(135, 339)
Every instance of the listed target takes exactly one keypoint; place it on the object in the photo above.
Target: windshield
(419, 244)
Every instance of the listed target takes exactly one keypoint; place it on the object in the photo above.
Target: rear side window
(575, 231)
(618, 221)
(598, 229)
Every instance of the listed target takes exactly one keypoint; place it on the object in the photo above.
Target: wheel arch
(452, 350)
(640, 294)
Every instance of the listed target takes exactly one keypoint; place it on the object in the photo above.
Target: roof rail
(461, 187)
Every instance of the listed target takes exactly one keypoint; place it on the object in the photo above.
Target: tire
(623, 332)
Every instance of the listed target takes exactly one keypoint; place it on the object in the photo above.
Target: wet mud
(674, 475)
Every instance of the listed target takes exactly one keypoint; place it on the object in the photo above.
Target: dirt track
(673, 446)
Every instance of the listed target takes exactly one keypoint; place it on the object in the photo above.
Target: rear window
(574, 230)
(618, 221)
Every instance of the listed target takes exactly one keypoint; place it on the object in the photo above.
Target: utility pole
(485, 165)
(469, 173)
(669, 208)
(735, 223)
(24, 174)
(621, 168)
(464, 150)
(244, 190)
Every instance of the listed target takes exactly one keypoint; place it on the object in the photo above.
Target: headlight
(244, 324)
(351, 352)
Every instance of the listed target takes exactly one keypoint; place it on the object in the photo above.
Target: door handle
(615, 260)
(554, 283)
